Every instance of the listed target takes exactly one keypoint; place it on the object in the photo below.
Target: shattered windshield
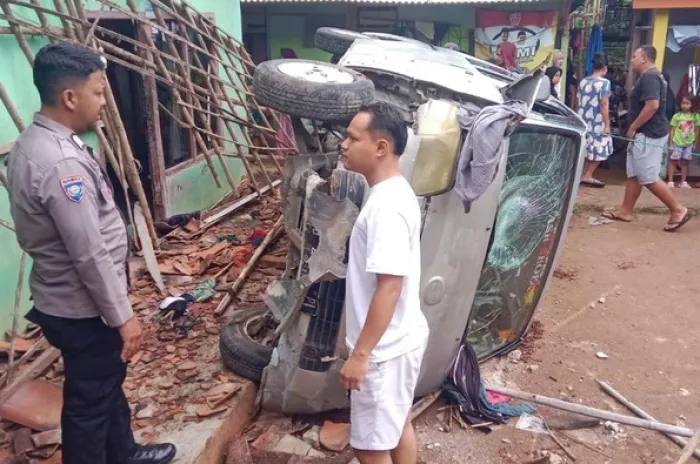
(538, 182)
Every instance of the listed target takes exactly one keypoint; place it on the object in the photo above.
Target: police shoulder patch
(74, 188)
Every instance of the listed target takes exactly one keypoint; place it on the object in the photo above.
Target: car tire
(335, 40)
(240, 353)
(312, 89)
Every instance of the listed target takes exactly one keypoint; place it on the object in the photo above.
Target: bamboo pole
(15, 315)
(80, 24)
(592, 412)
(12, 111)
(607, 388)
(185, 72)
(231, 131)
(23, 45)
(132, 62)
(689, 448)
(259, 251)
(178, 98)
(4, 223)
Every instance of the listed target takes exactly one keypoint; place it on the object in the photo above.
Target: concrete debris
(238, 452)
(36, 404)
(335, 436)
(22, 442)
(601, 355)
(275, 441)
(147, 412)
(515, 356)
(313, 436)
(52, 437)
(203, 410)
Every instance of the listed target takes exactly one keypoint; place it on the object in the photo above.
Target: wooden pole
(185, 73)
(15, 315)
(23, 44)
(592, 412)
(690, 448)
(269, 238)
(11, 109)
(607, 388)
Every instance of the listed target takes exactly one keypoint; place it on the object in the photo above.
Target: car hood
(425, 63)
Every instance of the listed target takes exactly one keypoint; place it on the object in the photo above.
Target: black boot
(153, 454)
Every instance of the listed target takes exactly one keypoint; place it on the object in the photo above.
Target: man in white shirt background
(386, 331)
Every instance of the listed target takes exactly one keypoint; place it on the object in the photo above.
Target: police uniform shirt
(66, 220)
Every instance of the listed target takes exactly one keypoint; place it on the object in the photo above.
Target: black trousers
(96, 420)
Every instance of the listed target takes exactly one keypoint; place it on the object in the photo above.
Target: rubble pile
(177, 377)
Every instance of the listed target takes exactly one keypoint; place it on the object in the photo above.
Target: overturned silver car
(483, 270)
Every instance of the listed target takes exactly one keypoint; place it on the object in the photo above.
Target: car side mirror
(529, 88)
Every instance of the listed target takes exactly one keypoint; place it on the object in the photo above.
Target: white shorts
(378, 412)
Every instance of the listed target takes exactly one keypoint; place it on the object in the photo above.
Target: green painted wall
(287, 31)
(190, 188)
(193, 188)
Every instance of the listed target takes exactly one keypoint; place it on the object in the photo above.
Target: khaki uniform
(67, 221)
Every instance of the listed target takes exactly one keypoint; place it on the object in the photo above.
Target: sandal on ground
(685, 185)
(674, 226)
(595, 183)
(615, 217)
(671, 185)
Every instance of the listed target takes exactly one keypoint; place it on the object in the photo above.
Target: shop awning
(666, 4)
(411, 2)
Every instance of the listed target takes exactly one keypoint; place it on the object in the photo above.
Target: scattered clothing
(682, 36)
(592, 91)
(482, 148)
(464, 388)
(203, 291)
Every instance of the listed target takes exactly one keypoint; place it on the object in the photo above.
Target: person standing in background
(649, 131)
(66, 220)
(594, 109)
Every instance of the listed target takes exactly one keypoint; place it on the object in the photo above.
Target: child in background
(685, 130)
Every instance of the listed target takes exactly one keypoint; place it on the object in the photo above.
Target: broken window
(539, 178)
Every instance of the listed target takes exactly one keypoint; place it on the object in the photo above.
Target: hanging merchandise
(693, 80)
(595, 45)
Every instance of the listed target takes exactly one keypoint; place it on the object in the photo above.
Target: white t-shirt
(386, 240)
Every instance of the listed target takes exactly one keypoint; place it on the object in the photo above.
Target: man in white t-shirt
(386, 330)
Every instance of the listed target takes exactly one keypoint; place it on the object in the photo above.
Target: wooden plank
(238, 204)
(34, 370)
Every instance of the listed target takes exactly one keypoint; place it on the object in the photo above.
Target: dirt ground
(646, 326)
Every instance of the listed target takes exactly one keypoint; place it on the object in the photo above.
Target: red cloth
(496, 398)
(683, 90)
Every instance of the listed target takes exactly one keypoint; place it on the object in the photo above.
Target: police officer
(66, 220)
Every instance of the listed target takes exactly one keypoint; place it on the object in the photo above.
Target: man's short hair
(600, 61)
(387, 121)
(59, 65)
(649, 51)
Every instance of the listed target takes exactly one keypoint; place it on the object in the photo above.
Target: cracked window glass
(538, 183)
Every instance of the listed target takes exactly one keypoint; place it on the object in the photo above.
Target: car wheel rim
(316, 72)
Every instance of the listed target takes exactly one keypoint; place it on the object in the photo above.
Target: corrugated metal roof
(414, 2)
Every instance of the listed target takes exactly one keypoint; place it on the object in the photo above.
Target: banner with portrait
(515, 39)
